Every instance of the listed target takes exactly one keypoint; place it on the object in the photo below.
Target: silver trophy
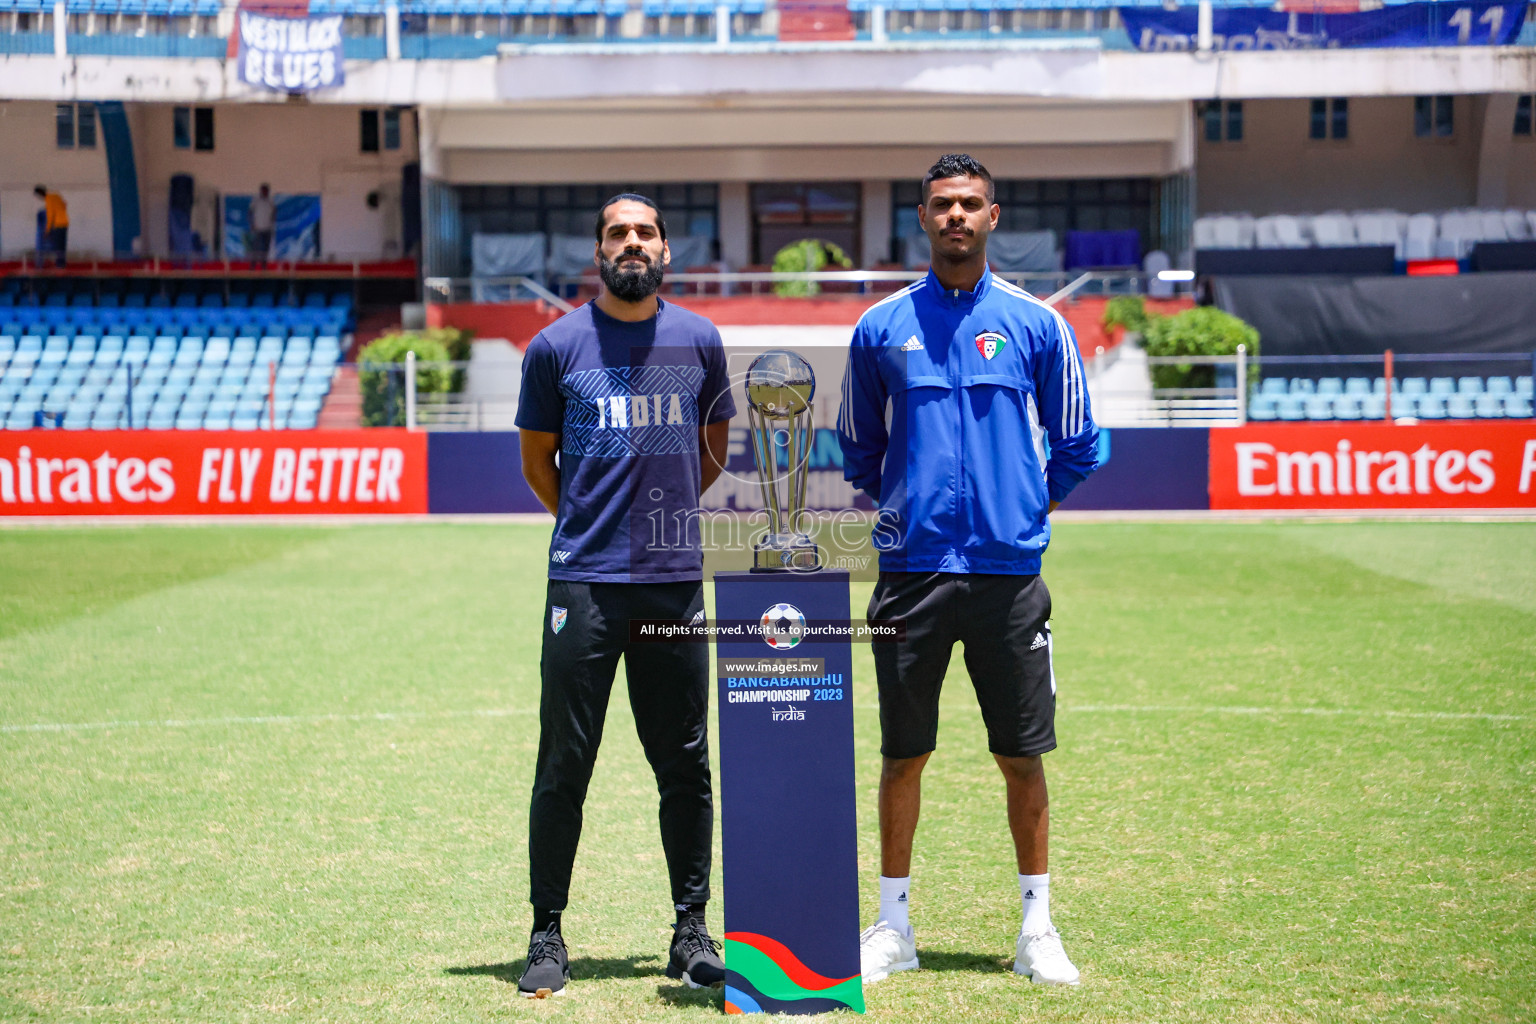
(780, 386)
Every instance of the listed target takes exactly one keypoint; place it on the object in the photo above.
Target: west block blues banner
(291, 54)
(1254, 28)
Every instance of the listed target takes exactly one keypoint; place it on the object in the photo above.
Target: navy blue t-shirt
(627, 400)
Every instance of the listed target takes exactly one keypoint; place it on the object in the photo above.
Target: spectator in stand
(55, 223)
(263, 220)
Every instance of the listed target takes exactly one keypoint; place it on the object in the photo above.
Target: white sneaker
(1042, 960)
(883, 951)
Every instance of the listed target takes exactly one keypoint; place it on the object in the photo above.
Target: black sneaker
(548, 967)
(695, 956)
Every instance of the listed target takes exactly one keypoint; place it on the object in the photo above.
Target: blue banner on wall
(1253, 28)
(291, 54)
(295, 236)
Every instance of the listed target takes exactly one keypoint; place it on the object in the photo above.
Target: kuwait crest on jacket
(990, 343)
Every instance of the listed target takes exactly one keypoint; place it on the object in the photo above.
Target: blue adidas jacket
(949, 401)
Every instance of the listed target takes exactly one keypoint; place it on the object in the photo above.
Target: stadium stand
(1333, 398)
(130, 358)
(1452, 234)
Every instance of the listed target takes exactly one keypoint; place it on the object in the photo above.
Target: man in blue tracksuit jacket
(965, 417)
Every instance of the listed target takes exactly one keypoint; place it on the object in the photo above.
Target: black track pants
(669, 694)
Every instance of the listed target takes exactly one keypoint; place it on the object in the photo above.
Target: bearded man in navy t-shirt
(632, 394)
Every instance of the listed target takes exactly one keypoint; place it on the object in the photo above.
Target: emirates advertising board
(1375, 466)
(212, 473)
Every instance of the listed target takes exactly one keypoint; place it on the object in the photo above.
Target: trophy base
(786, 552)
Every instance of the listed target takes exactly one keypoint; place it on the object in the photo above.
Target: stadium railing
(467, 29)
(442, 290)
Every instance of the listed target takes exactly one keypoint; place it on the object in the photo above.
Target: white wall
(296, 148)
(1278, 169)
(29, 156)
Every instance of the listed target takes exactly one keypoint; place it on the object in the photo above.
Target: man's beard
(630, 285)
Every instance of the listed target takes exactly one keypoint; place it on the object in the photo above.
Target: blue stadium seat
(1442, 386)
(1470, 386)
(1414, 386)
(215, 351)
(1303, 386)
(1262, 407)
(1517, 406)
(1346, 407)
(1372, 407)
(1489, 406)
(1290, 408)
(1523, 386)
(1460, 407)
(1500, 386)
(1319, 407)
(1357, 386)
(1431, 406)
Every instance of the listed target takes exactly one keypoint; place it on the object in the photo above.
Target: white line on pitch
(182, 723)
(411, 716)
(1327, 712)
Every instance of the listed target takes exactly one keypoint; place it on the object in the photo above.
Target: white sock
(1035, 891)
(893, 903)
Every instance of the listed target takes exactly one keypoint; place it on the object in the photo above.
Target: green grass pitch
(281, 774)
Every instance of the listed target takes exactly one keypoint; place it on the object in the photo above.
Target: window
(64, 128)
(85, 125)
(785, 212)
(1223, 121)
(1086, 204)
(690, 209)
(1524, 115)
(1330, 119)
(202, 128)
(74, 125)
(1433, 117)
(392, 129)
(192, 128)
(369, 122)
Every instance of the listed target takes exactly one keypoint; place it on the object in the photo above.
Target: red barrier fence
(1374, 466)
(142, 472)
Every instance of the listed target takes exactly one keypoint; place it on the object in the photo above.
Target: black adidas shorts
(1003, 621)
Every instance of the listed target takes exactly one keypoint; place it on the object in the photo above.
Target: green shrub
(1202, 331)
(806, 255)
(1128, 311)
(383, 381)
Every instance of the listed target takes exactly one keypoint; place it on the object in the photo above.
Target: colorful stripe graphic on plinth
(762, 975)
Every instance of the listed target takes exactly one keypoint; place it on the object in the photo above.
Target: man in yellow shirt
(55, 221)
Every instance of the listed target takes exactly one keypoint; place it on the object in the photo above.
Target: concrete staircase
(343, 408)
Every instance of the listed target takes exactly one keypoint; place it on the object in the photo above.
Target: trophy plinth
(795, 552)
(780, 387)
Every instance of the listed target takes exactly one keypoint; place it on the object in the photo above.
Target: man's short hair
(633, 197)
(41, 190)
(958, 165)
